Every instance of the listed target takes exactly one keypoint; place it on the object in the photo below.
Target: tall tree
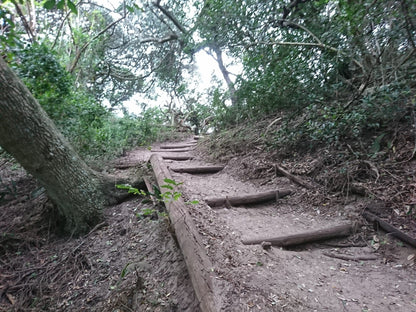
(27, 133)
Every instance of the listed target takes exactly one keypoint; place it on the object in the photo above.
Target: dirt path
(304, 278)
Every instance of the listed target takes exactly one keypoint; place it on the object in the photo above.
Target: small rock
(266, 245)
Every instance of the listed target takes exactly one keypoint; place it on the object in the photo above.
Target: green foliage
(131, 190)
(9, 34)
(328, 124)
(60, 4)
(47, 80)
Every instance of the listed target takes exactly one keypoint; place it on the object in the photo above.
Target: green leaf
(130, 8)
(72, 7)
(49, 5)
(375, 148)
(170, 187)
(60, 5)
(169, 181)
(176, 195)
(124, 271)
(192, 202)
(123, 186)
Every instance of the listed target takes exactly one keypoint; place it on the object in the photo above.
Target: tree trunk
(226, 75)
(27, 133)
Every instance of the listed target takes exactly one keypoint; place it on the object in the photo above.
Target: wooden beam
(171, 150)
(177, 157)
(247, 199)
(305, 237)
(205, 169)
(198, 264)
(378, 222)
(187, 145)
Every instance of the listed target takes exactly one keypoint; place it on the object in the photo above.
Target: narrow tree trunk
(27, 133)
(226, 75)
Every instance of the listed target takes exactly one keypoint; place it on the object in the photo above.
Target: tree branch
(171, 37)
(26, 25)
(169, 16)
(290, 23)
(85, 46)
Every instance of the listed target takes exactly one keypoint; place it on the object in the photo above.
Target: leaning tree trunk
(27, 133)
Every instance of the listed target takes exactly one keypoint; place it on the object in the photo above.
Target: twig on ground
(351, 258)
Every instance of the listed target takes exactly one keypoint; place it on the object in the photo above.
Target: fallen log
(305, 237)
(378, 222)
(198, 264)
(177, 157)
(178, 146)
(293, 178)
(247, 199)
(178, 150)
(205, 169)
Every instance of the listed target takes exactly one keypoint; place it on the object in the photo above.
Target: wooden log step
(172, 150)
(378, 222)
(177, 146)
(305, 237)
(205, 169)
(247, 199)
(198, 264)
(177, 157)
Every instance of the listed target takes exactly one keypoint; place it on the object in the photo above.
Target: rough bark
(198, 264)
(305, 237)
(27, 133)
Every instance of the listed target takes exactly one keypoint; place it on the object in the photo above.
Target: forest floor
(132, 261)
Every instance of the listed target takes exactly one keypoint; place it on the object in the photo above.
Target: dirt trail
(304, 278)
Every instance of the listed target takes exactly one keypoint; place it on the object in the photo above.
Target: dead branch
(351, 258)
(293, 178)
(379, 223)
(150, 189)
